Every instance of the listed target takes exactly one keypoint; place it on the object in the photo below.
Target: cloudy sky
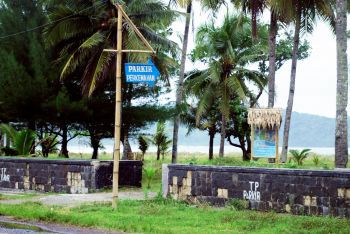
(316, 75)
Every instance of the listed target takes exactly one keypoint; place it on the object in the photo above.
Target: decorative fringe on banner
(265, 117)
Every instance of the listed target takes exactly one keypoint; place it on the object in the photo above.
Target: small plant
(160, 139)
(238, 204)
(22, 140)
(298, 157)
(316, 160)
(164, 147)
(150, 172)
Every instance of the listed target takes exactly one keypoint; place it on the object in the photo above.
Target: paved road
(70, 200)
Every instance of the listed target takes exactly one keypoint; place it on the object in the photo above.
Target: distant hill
(310, 131)
(306, 131)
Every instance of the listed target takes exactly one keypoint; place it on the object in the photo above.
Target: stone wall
(68, 176)
(305, 192)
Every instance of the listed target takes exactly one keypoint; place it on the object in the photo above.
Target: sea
(82, 146)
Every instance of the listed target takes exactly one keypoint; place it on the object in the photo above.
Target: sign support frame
(119, 50)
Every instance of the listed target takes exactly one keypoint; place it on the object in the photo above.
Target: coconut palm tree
(227, 51)
(341, 132)
(209, 4)
(80, 30)
(179, 91)
(304, 14)
(256, 8)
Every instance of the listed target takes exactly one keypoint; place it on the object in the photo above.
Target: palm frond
(81, 53)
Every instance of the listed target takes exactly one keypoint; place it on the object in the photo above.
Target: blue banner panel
(141, 72)
(264, 145)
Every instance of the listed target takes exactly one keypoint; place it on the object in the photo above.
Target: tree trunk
(126, 145)
(32, 126)
(254, 26)
(95, 144)
(291, 87)
(341, 129)
(223, 136)
(1, 140)
(211, 144)
(272, 59)
(158, 152)
(179, 91)
(64, 145)
(249, 147)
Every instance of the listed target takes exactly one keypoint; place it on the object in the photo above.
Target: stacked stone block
(68, 176)
(305, 192)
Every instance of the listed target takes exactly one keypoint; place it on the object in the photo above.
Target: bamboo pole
(117, 110)
(128, 51)
(136, 30)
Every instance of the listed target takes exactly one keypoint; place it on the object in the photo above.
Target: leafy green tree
(227, 51)
(24, 62)
(208, 122)
(304, 15)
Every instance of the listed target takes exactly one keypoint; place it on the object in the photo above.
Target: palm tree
(304, 14)
(160, 139)
(256, 8)
(341, 132)
(227, 51)
(80, 30)
(179, 91)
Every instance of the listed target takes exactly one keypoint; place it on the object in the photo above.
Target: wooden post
(276, 132)
(118, 93)
(118, 101)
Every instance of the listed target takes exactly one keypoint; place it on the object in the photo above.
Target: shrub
(22, 140)
(150, 172)
(238, 204)
(316, 160)
(298, 157)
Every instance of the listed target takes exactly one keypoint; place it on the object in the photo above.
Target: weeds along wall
(67, 176)
(303, 192)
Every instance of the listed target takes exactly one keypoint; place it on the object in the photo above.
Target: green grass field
(167, 216)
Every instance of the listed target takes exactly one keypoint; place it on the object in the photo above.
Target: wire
(47, 24)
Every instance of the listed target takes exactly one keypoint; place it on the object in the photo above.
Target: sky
(315, 91)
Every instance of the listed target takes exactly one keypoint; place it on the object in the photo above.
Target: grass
(168, 216)
(7, 196)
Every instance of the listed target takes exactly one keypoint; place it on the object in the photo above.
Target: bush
(316, 160)
(150, 172)
(238, 204)
(298, 157)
